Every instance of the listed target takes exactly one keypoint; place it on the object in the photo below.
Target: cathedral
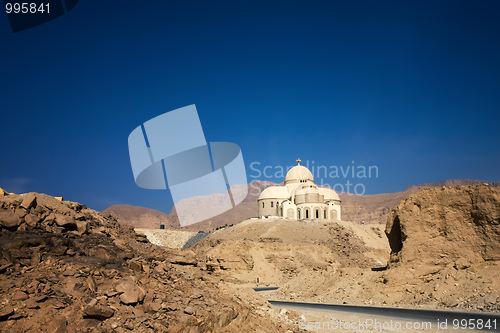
(299, 198)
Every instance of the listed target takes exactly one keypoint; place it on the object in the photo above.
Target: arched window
(262, 205)
(307, 213)
(298, 213)
(272, 204)
(317, 214)
(324, 214)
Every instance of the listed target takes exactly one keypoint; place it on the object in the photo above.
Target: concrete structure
(299, 198)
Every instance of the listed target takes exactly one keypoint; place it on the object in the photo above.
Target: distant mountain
(141, 217)
(355, 208)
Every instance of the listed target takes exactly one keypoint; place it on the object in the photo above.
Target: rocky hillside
(66, 268)
(448, 224)
(444, 253)
(295, 255)
(450, 236)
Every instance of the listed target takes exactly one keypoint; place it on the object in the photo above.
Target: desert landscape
(245, 166)
(440, 249)
(66, 268)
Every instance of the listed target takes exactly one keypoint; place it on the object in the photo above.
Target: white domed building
(299, 198)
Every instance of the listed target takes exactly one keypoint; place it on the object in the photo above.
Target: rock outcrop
(66, 268)
(445, 245)
(445, 249)
(437, 226)
(375, 208)
(3, 192)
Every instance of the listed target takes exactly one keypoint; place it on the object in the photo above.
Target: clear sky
(411, 87)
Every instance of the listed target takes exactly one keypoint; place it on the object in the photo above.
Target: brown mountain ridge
(373, 208)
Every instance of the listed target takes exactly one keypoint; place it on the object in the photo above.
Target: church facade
(299, 198)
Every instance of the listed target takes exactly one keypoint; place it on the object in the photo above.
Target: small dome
(329, 194)
(274, 192)
(298, 173)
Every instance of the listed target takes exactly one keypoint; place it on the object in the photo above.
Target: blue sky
(411, 87)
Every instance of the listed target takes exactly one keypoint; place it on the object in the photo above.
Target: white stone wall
(265, 208)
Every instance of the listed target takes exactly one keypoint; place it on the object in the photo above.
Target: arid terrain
(443, 252)
(66, 268)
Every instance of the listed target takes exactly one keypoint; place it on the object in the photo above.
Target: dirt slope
(278, 252)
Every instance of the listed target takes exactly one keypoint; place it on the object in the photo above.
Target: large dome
(298, 173)
(274, 192)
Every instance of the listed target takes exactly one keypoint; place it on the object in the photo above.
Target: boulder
(189, 310)
(100, 312)
(131, 292)
(65, 221)
(83, 227)
(102, 252)
(135, 266)
(80, 217)
(32, 220)
(29, 201)
(49, 219)
(451, 225)
(19, 296)
(36, 258)
(9, 220)
(32, 304)
(183, 258)
(6, 311)
(57, 325)
(21, 212)
(3, 192)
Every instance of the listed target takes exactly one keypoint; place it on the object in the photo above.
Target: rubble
(67, 268)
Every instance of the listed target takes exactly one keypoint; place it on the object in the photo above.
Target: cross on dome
(298, 161)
